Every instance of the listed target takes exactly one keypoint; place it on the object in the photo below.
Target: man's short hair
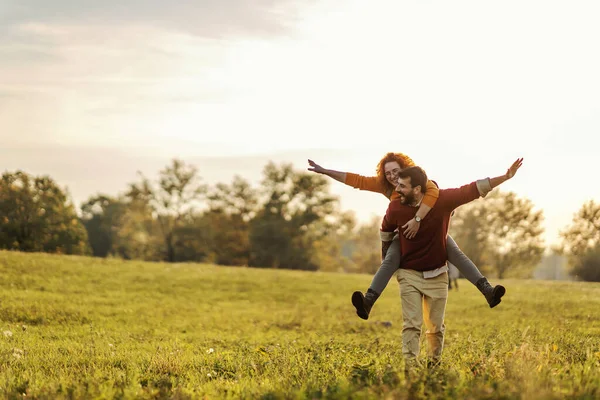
(417, 176)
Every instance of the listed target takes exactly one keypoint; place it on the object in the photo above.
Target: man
(423, 274)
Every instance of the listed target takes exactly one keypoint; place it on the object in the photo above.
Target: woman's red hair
(402, 159)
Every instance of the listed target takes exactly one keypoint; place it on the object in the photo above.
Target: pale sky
(92, 91)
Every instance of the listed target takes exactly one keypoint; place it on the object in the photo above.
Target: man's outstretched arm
(486, 185)
(454, 198)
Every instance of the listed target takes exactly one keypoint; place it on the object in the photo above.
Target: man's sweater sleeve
(388, 225)
(453, 198)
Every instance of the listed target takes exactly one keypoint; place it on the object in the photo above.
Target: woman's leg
(493, 294)
(389, 265)
(462, 262)
(364, 302)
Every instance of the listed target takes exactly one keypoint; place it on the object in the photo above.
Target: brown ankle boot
(493, 294)
(364, 303)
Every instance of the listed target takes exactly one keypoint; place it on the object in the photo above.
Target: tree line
(291, 220)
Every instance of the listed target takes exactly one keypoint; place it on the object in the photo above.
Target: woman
(385, 183)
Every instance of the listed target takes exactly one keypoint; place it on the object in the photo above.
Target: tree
(332, 242)
(515, 241)
(587, 266)
(584, 232)
(365, 246)
(581, 241)
(239, 198)
(102, 217)
(468, 229)
(138, 235)
(172, 200)
(502, 231)
(195, 239)
(231, 207)
(293, 202)
(122, 227)
(37, 216)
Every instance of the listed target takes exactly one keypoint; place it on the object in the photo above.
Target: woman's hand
(412, 227)
(315, 167)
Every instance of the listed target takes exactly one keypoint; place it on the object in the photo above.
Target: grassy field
(75, 327)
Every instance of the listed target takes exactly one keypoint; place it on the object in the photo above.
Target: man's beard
(407, 199)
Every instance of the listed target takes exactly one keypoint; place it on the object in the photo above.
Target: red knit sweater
(427, 250)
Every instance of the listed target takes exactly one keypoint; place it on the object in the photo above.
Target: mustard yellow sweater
(374, 184)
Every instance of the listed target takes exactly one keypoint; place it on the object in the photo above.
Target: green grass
(76, 327)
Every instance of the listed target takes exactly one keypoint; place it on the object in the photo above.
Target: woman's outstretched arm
(337, 175)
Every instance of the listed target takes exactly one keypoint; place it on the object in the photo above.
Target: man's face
(392, 169)
(406, 191)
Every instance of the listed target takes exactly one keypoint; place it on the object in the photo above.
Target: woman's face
(392, 169)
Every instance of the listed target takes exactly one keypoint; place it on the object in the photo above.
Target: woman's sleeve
(432, 192)
(370, 183)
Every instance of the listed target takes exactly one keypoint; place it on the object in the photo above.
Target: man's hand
(514, 168)
(412, 227)
(485, 188)
(315, 167)
(384, 248)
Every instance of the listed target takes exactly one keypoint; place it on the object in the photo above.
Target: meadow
(77, 327)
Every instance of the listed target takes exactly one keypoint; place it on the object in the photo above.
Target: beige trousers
(423, 300)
